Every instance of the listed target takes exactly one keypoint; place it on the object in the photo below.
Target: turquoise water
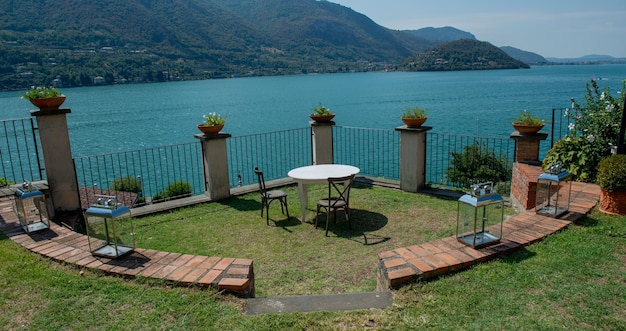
(128, 117)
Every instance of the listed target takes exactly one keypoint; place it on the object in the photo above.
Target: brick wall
(528, 151)
(524, 184)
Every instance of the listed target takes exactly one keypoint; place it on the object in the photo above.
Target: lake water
(128, 117)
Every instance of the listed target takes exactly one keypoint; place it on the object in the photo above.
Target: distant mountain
(589, 59)
(159, 40)
(524, 56)
(441, 35)
(84, 42)
(463, 54)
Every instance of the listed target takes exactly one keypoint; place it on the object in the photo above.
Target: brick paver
(428, 260)
(61, 244)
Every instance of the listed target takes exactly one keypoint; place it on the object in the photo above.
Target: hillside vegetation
(81, 43)
(465, 54)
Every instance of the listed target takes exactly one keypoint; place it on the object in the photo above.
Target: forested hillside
(465, 54)
(83, 42)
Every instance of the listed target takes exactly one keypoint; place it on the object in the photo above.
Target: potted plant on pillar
(44, 98)
(526, 123)
(321, 114)
(414, 117)
(612, 181)
(213, 124)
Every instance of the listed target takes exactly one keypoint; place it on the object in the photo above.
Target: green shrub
(414, 112)
(526, 118)
(474, 165)
(575, 155)
(593, 128)
(126, 184)
(178, 188)
(5, 182)
(612, 173)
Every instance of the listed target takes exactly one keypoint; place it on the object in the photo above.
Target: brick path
(396, 267)
(64, 245)
(432, 259)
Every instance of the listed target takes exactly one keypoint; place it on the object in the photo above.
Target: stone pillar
(57, 157)
(413, 158)
(215, 160)
(322, 142)
(527, 147)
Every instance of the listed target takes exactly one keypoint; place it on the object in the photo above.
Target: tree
(475, 165)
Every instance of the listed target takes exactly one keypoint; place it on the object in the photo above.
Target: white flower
(571, 126)
(591, 138)
(610, 107)
(566, 112)
(603, 95)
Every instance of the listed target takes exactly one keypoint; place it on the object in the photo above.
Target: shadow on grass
(240, 203)
(363, 222)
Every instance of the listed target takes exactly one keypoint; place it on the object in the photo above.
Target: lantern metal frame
(31, 208)
(553, 193)
(483, 231)
(108, 214)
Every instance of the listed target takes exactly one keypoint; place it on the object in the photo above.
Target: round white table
(317, 174)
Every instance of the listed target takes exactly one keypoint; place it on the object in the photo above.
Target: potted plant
(414, 117)
(526, 123)
(44, 98)
(321, 114)
(612, 181)
(213, 124)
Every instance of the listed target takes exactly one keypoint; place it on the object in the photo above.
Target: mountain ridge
(82, 43)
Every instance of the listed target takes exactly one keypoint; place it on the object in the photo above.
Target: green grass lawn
(575, 279)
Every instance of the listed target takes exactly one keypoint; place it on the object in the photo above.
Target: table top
(323, 171)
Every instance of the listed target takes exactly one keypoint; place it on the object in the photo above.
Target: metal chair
(340, 188)
(268, 196)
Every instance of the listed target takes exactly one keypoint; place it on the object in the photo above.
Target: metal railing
(154, 168)
(19, 151)
(375, 151)
(559, 124)
(275, 153)
(441, 147)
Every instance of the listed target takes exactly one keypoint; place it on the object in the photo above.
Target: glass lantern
(553, 192)
(479, 217)
(109, 228)
(31, 208)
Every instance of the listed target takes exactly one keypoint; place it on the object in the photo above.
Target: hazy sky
(552, 28)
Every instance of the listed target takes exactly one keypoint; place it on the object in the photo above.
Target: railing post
(215, 161)
(322, 142)
(57, 157)
(412, 157)
(527, 147)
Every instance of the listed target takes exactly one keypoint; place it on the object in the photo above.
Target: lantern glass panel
(32, 211)
(110, 231)
(479, 219)
(553, 194)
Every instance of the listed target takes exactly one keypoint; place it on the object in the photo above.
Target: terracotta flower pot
(613, 202)
(48, 103)
(413, 122)
(210, 129)
(527, 129)
(322, 118)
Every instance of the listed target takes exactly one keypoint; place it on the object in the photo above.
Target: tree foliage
(463, 54)
(477, 164)
(594, 128)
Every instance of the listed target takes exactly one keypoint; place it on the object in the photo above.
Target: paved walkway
(429, 260)
(64, 245)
